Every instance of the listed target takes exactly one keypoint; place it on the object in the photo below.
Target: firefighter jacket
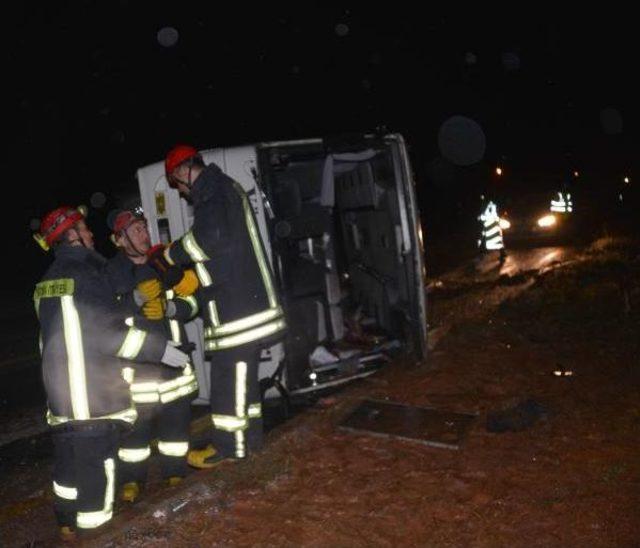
(237, 297)
(153, 382)
(83, 339)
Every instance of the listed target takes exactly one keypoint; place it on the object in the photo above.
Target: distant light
(576, 174)
(342, 29)
(498, 170)
(313, 375)
(627, 180)
(547, 221)
(167, 37)
(504, 224)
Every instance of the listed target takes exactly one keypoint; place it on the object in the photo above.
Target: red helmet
(55, 223)
(124, 219)
(177, 155)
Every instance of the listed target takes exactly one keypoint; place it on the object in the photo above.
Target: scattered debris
(180, 506)
(516, 418)
(425, 425)
(321, 356)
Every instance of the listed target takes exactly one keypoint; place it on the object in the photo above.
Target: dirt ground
(570, 479)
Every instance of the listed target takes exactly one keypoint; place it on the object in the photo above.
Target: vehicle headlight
(547, 221)
(504, 224)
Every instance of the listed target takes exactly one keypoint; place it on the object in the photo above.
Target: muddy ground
(570, 479)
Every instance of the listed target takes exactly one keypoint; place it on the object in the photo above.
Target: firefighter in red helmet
(237, 296)
(83, 340)
(162, 395)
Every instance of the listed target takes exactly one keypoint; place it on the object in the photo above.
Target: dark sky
(93, 94)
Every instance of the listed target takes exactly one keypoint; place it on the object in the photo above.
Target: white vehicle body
(341, 228)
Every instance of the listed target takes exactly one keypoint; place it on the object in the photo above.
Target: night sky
(97, 89)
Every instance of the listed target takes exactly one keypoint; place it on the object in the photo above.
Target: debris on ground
(516, 418)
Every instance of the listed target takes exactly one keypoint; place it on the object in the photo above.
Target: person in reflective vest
(162, 395)
(238, 299)
(491, 232)
(561, 203)
(83, 340)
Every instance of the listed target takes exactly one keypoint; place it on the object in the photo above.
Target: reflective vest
(491, 231)
(562, 204)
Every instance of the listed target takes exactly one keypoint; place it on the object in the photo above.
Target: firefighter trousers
(169, 423)
(85, 454)
(236, 408)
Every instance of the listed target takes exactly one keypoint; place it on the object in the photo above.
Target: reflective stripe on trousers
(91, 520)
(240, 422)
(64, 492)
(134, 455)
(173, 448)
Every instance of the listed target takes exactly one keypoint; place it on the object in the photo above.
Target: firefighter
(238, 299)
(83, 338)
(162, 395)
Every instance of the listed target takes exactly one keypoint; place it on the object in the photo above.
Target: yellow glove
(187, 285)
(153, 309)
(149, 289)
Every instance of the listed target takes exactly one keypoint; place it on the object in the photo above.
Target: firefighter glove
(153, 309)
(148, 290)
(188, 284)
(174, 357)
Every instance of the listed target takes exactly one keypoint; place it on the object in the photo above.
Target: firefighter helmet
(55, 223)
(176, 156)
(120, 220)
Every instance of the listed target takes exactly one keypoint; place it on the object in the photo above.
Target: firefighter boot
(130, 491)
(67, 534)
(204, 458)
